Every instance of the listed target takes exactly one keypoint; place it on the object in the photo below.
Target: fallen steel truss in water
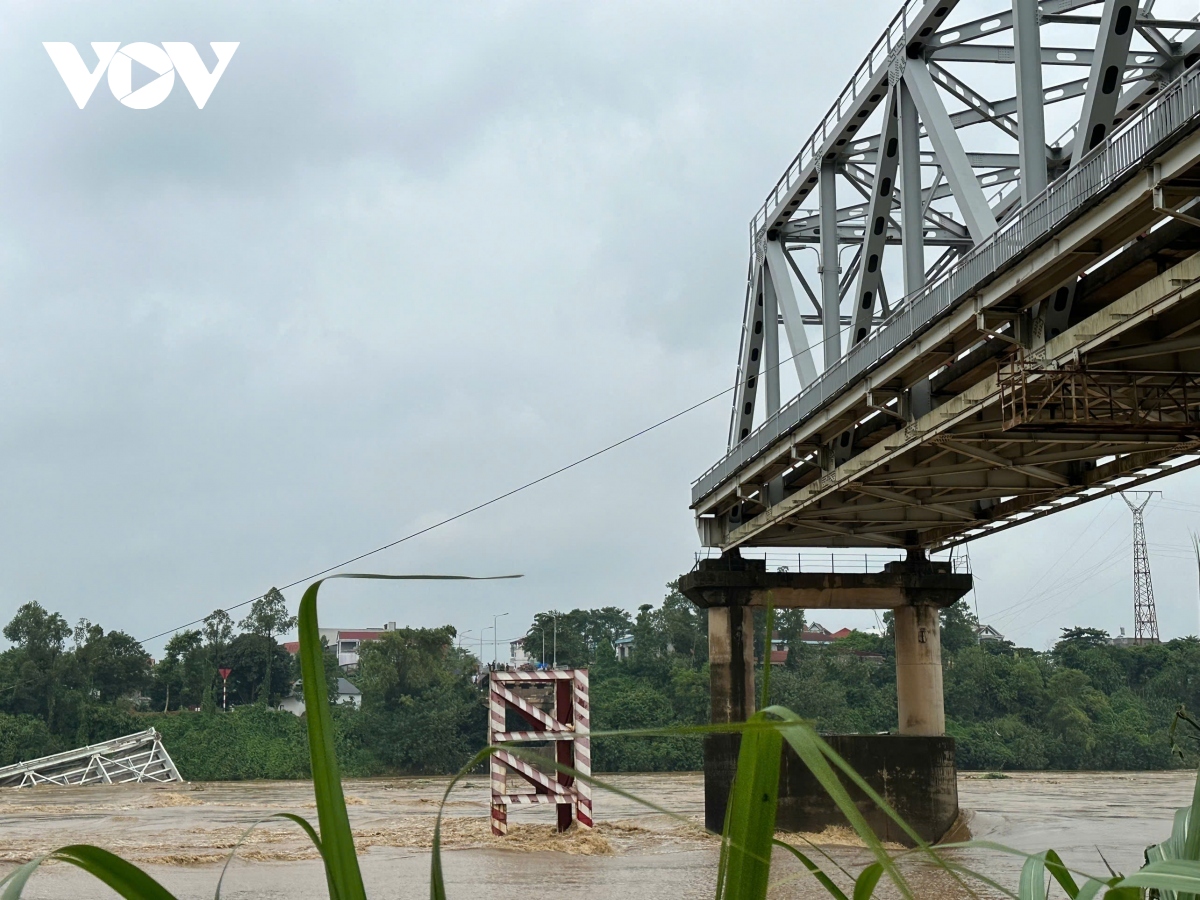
(131, 759)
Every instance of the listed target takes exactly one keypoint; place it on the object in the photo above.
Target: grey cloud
(409, 256)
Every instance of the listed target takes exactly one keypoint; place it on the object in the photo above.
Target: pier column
(919, 697)
(731, 686)
(914, 771)
(731, 663)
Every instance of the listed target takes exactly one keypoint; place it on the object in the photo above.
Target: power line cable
(485, 504)
(1030, 596)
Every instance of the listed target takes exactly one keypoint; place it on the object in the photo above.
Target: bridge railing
(877, 58)
(1110, 164)
(840, 561)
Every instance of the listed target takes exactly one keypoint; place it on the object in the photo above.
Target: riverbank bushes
(1085, 704)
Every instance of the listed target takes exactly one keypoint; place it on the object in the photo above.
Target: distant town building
(987, 633)
(517, 655)
(819, 634)
(624, 646)
(346, 694)
(779, 650)
(1123, 640)
(346, 642)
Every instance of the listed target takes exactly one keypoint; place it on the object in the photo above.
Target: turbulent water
(184, 833)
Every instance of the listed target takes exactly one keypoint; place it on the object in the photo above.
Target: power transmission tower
(1145, 620)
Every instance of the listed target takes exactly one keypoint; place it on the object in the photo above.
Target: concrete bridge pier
(920, 702)
(731, 688)
(913, 770)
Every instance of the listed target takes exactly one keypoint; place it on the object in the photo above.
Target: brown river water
(182, 834)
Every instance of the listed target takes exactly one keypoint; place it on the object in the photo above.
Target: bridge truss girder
(942, 72)
(939, 455)
(1103, 410)
(135, 758)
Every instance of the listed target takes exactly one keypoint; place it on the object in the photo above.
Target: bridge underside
(981, 422)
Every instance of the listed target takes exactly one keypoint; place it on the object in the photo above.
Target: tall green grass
(1171, 872)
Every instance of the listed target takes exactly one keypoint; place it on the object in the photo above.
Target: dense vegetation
(1084, 704)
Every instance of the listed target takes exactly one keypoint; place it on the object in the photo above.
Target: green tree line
(1084, 704)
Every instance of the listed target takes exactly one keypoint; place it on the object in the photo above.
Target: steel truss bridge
(134, 758)
(1008, 326)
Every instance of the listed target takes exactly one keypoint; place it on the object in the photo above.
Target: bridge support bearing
(913, 770)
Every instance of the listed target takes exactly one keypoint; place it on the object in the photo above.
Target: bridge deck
(956, 421)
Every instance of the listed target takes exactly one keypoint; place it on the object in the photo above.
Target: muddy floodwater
(182, 833)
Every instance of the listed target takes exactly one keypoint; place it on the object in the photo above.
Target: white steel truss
(1008, 244)
(133, 758)
(935, 83)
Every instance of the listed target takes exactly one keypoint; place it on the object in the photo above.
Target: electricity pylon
(1145, 619)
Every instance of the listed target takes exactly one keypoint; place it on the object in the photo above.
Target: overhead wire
(454, 518)
(1062, 583)
(499, 497)
(1029, 596)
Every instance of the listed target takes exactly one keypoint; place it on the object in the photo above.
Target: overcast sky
(409, 257)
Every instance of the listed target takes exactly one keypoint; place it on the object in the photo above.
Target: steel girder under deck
(1101, 409)
(1112, 402)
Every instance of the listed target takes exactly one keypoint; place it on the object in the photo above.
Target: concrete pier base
(915, 775)
(913, 771)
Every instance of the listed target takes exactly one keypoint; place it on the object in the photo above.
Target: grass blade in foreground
(292, 817)
(1033, 879)
(337, 840)
(123, 877)
(826, 882)
(745, 864)
(813, 752)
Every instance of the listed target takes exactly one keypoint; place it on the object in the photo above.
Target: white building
(517, 656)
(346, 642)
(624, 647)
(987, 633)
(346, 694)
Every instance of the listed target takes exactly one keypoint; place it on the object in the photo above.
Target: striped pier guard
(568, 727)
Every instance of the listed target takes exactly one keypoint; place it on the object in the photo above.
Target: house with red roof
(346, 642)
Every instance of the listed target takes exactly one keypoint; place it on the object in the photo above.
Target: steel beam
(1031, 120)
(967, 193)
(134, 758)
(879, 212)
(1051, 56)
(789, 309)
(1105, 77)
(857, 100)
(753, 331)
(770, 318)
(982, 106)
(912, 206)
(830, 266)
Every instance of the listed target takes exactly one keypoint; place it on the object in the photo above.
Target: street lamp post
(495, 635)
(554, 615)
(481, 633)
